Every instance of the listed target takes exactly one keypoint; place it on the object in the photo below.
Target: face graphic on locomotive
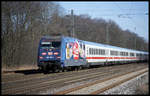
(74, 50)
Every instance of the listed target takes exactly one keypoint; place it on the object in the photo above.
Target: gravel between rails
(131, 87)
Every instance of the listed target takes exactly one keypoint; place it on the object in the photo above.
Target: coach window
(125, 53)
(131, 54)
(116, 53)
(92, 51)
(121, 53)
(111, 52)
(96, 51)
(103, 52)
(137, 54)
(99, 51)
(87, 50)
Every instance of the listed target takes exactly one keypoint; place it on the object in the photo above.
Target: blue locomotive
(59, 53)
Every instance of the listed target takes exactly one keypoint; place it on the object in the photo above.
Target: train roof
(97, 44)
(114, 47)
(108, 46)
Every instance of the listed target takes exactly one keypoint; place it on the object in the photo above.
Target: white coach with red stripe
(96, 52)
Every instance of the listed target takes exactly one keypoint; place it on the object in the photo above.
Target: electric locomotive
(59, 53)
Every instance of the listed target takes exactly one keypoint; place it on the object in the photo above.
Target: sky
(128, 15)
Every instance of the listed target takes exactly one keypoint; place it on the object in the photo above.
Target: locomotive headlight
(55, 53)
(40, 57)
(50, 53)
(43, 53)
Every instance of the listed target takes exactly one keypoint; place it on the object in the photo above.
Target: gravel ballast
(132, 86)
(138, 85)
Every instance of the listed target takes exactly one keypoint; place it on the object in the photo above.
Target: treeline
(24, 23)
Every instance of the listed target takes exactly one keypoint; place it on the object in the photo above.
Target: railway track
(104, 84)
(23, 76)
(49, 81)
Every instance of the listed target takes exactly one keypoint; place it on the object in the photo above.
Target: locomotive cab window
(53, 44)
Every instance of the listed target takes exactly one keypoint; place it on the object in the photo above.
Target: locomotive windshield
(54, 44)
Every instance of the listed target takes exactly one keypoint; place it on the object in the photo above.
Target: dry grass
(25, 67)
